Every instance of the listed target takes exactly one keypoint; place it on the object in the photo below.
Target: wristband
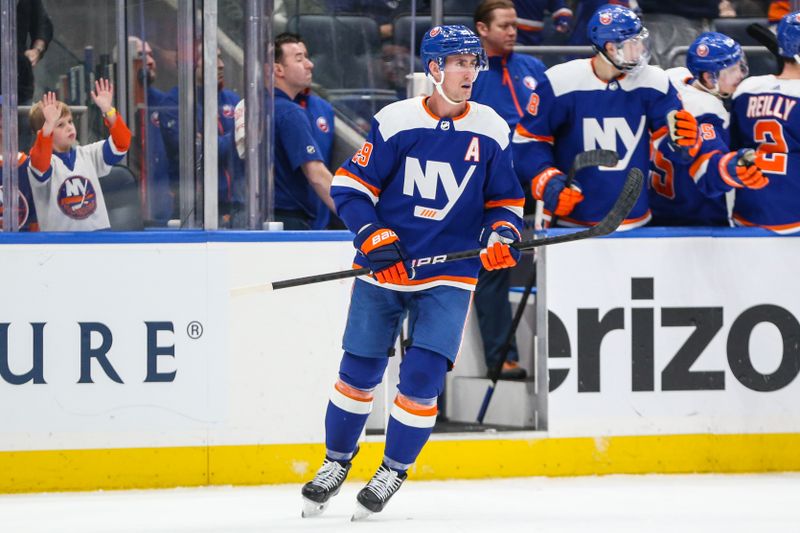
(110, 113)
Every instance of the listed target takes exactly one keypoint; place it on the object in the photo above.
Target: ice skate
(374, 497)
(326, 484)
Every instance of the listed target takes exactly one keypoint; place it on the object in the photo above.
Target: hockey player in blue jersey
(763, 117)
(694, 194)
(614, 101)
(434, 176)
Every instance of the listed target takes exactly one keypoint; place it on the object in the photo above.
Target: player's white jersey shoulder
(404, 115)
(575, 75)
(696, 101)
(484, 120)
(768, 84)
(579, 75)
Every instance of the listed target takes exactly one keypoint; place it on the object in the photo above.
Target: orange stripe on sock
(353, 393)
(415, 408)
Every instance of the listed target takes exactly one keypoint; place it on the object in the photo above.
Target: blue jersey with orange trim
(508, 84)
(692, 193)
(765, 117)
(435, 181)
(530, 18)
(572, 111)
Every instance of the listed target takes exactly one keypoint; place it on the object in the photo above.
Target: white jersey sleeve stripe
(340, 180)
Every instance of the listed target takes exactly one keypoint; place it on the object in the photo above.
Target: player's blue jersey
(572, 111)
(765, 117)
(435, 182)
(693, 194)
(507, 86)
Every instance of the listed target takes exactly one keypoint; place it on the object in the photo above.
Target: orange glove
(742, 169)
(549, 186)
(386, 256)
(567, 200)
(683, 130)
(495, 240)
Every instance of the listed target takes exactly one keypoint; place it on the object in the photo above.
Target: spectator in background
(231, 189)
(675, 23)
(34, 33)
(506, 87)
(64, 177)
(147, 158)
(321, 115)
(531, 19)
(383, 11)
(301, 176)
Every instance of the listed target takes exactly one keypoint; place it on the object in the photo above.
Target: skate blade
(360, 513)
(312, 508)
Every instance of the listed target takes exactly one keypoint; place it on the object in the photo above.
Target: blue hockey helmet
(613, 24)
(623, 28)
(713, 52)
(442, 41)
(789, 35)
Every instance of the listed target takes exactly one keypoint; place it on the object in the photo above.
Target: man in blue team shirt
(147, 157)
(389, 195)
(320, 113)
(301, 177)
(231, 169)
(506, 87)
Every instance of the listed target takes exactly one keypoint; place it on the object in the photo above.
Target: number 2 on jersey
(772, 147)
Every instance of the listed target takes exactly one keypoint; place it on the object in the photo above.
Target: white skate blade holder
(360, 513)
(312, 508)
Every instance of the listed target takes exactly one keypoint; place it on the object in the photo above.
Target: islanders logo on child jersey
(322, 124)
(77, 197)
(23, 209)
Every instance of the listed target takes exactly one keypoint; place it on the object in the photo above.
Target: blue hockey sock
(350, 404)
(413, 414)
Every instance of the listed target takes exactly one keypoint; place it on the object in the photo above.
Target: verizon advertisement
(673, 336)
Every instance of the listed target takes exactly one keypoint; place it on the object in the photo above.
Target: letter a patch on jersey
(474, 151)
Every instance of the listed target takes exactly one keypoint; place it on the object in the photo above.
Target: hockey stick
(592, 158)
(620, 209)
(766, 38)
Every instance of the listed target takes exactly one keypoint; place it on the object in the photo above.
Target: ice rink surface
(765, 503)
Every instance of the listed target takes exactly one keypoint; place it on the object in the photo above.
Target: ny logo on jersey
(427, 183)
(605, 136)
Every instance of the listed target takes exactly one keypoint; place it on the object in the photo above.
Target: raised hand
(103, 95)
(51, 111)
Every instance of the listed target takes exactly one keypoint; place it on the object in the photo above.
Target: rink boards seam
(138, 468)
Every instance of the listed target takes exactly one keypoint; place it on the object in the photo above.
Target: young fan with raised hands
(64, 177)
(434, 177)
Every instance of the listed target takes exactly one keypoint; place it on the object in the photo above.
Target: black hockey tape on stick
(623, 205)
(768, 39)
